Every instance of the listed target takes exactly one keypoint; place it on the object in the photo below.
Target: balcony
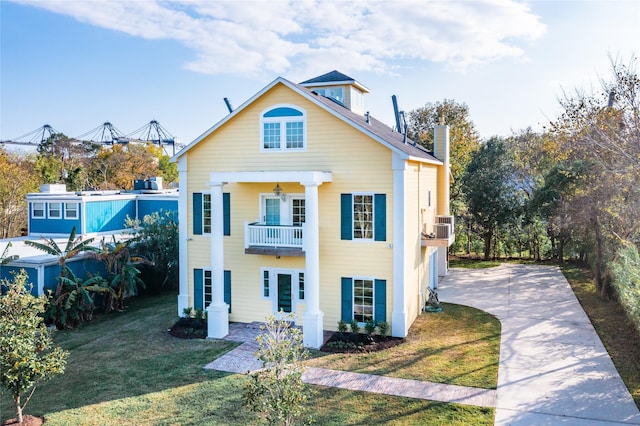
(442, 235)
(278, 240)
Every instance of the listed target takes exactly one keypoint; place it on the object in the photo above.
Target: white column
(183, 236)
(399, 322)
(217, 311)
(313, 318)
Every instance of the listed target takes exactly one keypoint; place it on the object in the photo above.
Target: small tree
(278, 390)
(157, 240)
(27, 353)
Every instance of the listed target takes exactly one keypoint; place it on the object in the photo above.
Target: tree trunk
(469, 239)
(488, 236)
(16, 399)
(561, 250)
(598, 271)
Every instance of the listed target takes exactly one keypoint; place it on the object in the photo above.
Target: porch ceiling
(308, 177)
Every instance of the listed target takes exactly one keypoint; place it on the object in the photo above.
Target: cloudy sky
(74, 64)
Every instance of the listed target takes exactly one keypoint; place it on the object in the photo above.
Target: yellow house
(300, 201)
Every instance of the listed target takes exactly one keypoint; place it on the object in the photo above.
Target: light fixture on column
(278, 192)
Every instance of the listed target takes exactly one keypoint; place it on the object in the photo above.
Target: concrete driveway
(553, 366)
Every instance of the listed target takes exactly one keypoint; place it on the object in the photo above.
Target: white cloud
(270, 36)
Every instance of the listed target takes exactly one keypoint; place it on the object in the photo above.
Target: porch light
(278, 192)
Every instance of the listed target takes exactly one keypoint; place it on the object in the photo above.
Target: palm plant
(73, 248)
(123, 275)
(73, 302)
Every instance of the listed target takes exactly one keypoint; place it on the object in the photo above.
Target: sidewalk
(553, 367)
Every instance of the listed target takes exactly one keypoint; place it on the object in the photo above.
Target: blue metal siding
(85, 268)
(7, 273)
(146, 207)
(109, 215)
(54, 226)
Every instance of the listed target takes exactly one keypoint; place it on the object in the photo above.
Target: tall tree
(603, 130)
(16, 181)
(463, 137)
(492, 196)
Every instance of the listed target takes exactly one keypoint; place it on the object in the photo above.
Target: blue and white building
(54, 212)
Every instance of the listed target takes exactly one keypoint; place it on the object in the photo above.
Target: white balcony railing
(261, 235)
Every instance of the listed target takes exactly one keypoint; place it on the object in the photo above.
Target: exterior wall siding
(7, 273)
(357, 165)
(54, 226)
(150, 206)
(108, 215)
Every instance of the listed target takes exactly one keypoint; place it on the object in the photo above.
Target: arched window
(283, 128)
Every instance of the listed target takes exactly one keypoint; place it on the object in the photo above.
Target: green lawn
(458, 346)
(125, 369)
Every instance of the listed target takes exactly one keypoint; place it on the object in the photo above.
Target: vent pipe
(228, 104)
(396, 112)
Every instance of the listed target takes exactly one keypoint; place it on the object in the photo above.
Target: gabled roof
(375, 129)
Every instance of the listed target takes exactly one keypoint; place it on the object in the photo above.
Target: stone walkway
(242, 360)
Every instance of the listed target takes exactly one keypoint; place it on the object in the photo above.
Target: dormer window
(335, 93)
(283, 129)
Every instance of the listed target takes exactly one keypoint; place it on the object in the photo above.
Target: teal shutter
(347, 300)
(226, 208)
(197, 213)
(227, 289)
(380, 302)
(198, 290)
(346, 217)
(380, 217)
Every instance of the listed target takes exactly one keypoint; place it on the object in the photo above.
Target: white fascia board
(311, 98)
(227, 118)
(354, 83)
(318, 177)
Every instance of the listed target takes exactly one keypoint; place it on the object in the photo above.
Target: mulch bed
(195, 328)
(349, 343)
(189, 328)
(27, 420)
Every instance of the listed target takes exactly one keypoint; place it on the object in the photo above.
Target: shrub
(27, 353)
(626, 271)
(342, 327)
(198, 314)
(383, 327)
(355, 327)
(278, 390)
(187, 312)
(370, 327)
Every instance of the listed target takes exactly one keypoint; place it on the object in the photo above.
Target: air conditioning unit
(445, 219)
(443, 230)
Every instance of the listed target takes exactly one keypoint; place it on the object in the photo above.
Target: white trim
(76, 210)
(59, 209)
(373, 218)
(318, 103)
(317, 177)
(183, 236)
(44, 209)
(399, 320)
(282, 121)
(373, 296)
(274, 290)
